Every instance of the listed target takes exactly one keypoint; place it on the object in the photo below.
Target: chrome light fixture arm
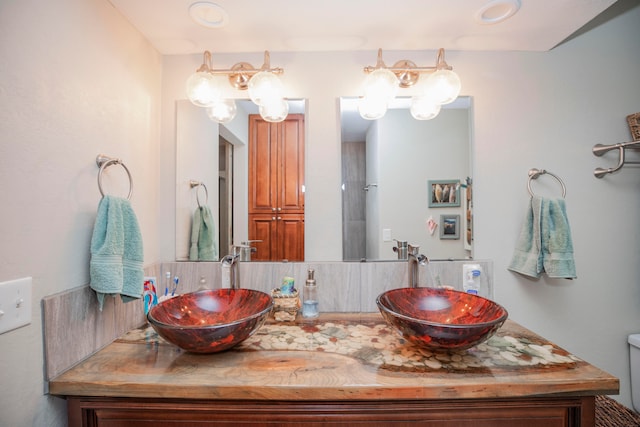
(407, 71)
(249, 69)
(241, 72)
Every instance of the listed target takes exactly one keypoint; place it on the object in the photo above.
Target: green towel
(203, 242)
(544, 244)
(527, 257)
(557, 245)
(116, 251)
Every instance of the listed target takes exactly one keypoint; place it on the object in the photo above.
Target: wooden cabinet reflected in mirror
(276, 188)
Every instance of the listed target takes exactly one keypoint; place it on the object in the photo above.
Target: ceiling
(238, 26)
(347, 25)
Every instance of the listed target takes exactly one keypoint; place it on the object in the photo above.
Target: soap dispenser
(310, 297)
(471, 278)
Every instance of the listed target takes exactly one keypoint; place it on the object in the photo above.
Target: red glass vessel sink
(441, 319)
(210, 321)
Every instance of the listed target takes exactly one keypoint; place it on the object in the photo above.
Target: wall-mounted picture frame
(449, 227)
(444, 193)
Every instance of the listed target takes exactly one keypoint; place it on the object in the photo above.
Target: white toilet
(634, 359)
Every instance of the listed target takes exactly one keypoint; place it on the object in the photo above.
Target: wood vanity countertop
(337, 356)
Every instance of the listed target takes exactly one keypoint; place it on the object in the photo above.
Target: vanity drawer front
(533, 412)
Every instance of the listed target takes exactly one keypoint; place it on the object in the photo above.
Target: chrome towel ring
(535, 173)
(104, 162)
(198, 184)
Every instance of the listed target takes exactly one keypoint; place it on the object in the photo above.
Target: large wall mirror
(388, 165)
(397, 173)
(216, 156)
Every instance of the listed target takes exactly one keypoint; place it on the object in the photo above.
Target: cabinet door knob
(279, 218)
(279, 209)
(273, 209)
(273, 218)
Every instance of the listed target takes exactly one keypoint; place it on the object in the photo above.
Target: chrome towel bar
(193, 184)
(600, 149)
(104, 162)
(535, 173)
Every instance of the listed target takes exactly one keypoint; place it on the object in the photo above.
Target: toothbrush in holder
(175, 285)
(167, 276)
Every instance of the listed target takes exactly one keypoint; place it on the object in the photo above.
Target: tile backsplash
(74, 327)
(342, 286)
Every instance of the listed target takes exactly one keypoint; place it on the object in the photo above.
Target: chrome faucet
(401, 249)
(230, 262)
(244, 249)
(415, 260)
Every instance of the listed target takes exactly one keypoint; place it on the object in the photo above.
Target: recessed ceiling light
(497, 11)
(208, 15)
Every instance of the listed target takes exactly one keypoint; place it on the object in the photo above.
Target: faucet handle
(236, 250)
(230, 259)
(415, 252)
(244, 249)
(249, 242)
(401, 249)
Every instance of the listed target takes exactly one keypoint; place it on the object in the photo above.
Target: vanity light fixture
(442, 86)
(205, 89)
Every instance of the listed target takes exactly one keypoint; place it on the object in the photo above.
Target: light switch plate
(386, 234)
(15, 304)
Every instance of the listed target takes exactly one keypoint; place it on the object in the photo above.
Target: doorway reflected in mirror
(389, 166)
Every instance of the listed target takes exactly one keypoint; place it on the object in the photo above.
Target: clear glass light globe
(274, 111)
(423, 108)
(372, 108)
(222, 110)
(443, 86)
(202, 89)
(265, 86)
(381, 84)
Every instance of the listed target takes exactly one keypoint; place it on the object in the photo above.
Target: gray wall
(76, 80)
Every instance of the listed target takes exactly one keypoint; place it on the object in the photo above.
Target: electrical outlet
(15, 304)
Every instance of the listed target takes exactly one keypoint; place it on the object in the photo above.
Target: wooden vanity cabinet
(276, 188)
(517, 412)
(134, 382)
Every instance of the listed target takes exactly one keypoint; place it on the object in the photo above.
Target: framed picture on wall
(449, 227)
(444, 193)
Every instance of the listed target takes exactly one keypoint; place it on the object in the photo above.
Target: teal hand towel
(133, 258)
(203, 242)
(527, 254)
(196, 223)
(557, 244)
(544, 244)
(116, 251)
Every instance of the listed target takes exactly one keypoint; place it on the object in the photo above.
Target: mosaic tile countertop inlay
(375, 343)
(338, 356)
